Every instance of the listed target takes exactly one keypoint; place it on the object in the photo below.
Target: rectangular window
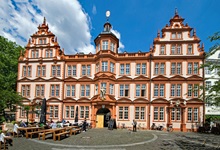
(159, 68)
(85, 90)
(159, 90)
(195, 68)
(84, 112)
(173, 49)
(179, 35)
(55, 90)
(178, 90)
(86, 70)
(190, 50)
(195, 114)
(105, 45)
(34, 54)
(39, 90)
(162, 49)
(53, 111)
(189, 68)
(55, 70)
(82, 90)
(156, 68)
(112, 66)
(138, 87)
(189, 116)
(143, 69)
(49, 53)
(179, 51)
(162, 68)
(138, 69)
(111, 89)
(26, 71)
(140, 90)
(72, 112)
(123, 112)
(74, 70)
(179, 68)
(127, 70)
(176, 114)
(41, 71)
(83, 70)
(158, 113)
(112, 47)
(69, 110)
(124, 90)
(173, 89)
(161, 113)
(190, 88)
(70, 90)
(122, 69)
(173, 35)
(104, 66)
(196, 90)
(162, 90)
(156, 89)
(140, 113)
(25, 90)
(173, 68)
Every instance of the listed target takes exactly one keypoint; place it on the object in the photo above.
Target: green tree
(9, 54)
(213, 93)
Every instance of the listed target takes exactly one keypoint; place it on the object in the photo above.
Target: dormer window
(176, 35)
(112, 47)
(104, 45)
(42, 41)
(162, 49)
(190, 50)
(49, 53)
(34, 54)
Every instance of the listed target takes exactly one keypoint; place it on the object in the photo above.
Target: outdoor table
(28, 129)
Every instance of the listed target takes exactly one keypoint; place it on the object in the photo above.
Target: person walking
(84, 125)
(134, 123)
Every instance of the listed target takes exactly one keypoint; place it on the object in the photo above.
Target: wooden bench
(75, 130)
(44, 133)
(62, 133)
(36, 132)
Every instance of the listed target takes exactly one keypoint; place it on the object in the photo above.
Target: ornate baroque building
(160, 86)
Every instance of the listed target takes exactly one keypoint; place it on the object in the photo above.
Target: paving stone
(98, 139)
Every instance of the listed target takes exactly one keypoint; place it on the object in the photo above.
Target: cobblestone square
(122, 139)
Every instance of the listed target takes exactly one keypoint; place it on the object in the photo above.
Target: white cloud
(94, 10)
(66, 19)
(118, 35)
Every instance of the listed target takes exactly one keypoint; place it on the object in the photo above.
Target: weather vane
(107, 14)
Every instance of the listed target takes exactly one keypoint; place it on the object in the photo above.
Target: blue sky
(77, 23)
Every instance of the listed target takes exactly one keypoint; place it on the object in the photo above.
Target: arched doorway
(103, 115)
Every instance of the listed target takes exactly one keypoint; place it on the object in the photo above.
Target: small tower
(106, 40)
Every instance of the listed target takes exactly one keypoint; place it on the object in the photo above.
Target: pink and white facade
(160, 86)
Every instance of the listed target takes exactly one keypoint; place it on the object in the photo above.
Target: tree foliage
(213, 93)
(9, 54)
